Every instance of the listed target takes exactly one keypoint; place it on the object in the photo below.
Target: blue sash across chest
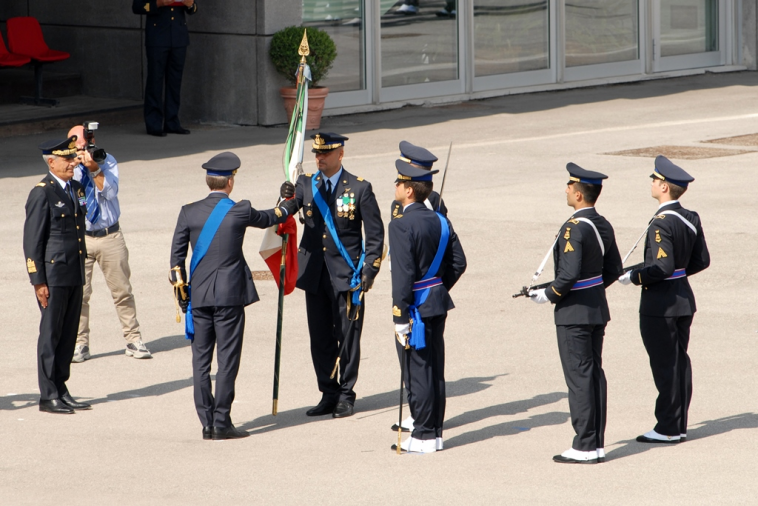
(326, 213)
(198, 252)
(422, 287)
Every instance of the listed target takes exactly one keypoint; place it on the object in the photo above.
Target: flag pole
(293, 152)
(279, 321)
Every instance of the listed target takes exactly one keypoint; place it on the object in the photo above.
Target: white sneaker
(413, 445)
(406, 425)
(572, 456)
(81, 353)
(137, 350)
(407, 9)
(440, 444)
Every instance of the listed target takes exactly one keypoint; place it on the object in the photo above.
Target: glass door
(688, 34)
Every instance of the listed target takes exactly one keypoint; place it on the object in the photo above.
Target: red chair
(25, 38)
(8, 59)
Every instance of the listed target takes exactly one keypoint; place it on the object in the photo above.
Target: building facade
(397, 52)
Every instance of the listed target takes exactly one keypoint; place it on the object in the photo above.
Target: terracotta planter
(316, 98)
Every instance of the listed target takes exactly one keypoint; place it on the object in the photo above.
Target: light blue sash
(323, 207)
(198, 252)
(418, 332)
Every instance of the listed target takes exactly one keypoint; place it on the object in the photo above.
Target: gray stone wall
(749, 34)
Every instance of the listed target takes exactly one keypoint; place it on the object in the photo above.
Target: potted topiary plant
(284, 55)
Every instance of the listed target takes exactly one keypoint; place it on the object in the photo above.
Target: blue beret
(416, 154)
(666, 170)
(223, 164)
(580, 175)
(65, 148)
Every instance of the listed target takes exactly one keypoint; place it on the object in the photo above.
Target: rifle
(525, 290)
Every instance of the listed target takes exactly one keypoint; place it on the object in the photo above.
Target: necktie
(93, 208)
(328, 189)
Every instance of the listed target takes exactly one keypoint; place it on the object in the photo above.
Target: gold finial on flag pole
(304, 49)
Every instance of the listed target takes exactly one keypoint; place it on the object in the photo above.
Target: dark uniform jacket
(317, 244)
(164, 26)
(578, 256)
(222, 278)
(54, 243)
(414, 236)
(434, 200)
(671, 245)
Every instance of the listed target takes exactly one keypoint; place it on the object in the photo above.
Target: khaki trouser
(113, 258)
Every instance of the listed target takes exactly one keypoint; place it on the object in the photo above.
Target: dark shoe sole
(394, 429)
(643, 439)
(57, 412)
(564, 460)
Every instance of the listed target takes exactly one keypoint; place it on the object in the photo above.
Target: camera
(97, 154)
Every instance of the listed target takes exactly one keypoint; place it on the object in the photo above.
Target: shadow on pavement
(507, 428)
(705, 429)
(159, 345)
(296, 417)
(509, 408)
(148, 391)
(7, 402)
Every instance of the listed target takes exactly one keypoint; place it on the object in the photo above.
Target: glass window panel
(419, 41)
(689, 26)
(601, 31)
(344, 21)
(511, 36)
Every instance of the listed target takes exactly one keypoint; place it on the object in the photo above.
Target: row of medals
(346, 206)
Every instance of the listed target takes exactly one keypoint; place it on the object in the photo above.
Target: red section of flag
(274, 261)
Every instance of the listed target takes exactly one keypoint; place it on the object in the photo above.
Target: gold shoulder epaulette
(661, 216)
(360, 179)
(309, 174)
(398, 216)
(40, 184)
(575, 222)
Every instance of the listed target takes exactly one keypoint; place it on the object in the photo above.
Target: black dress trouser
(328, 326)
(165, 66)
(581, 351)
(225, 327)
(666, 340)
(57, 339)
(424, 379)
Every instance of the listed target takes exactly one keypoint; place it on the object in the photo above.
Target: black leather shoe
(180, 131)
(324, 407)
(645, 439)
(231, 432)
(567, 460)
(343, 410)
(207, 433)
(71, 403)
(159, 133)
(55, 406)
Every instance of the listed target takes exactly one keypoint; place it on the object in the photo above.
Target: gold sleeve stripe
(556, 291)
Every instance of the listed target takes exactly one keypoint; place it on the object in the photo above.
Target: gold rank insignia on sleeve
(378, 262)
(657, 236)
(147, 7)
(567, 235)
(40, 184)
(396, 311)
(31, 268)
(568, 247)
(661, 253)
(278, 212)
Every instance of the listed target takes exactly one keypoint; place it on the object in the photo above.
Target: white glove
(626, 279)
(538, 296)
(401, 332)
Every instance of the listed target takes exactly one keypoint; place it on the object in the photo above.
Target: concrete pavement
(507, 412)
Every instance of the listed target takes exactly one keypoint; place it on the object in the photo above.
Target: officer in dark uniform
(221, 285)
(334, 284)
(427, 261)
(420, 158)
(587, 261)
(423, 159)
(166, 41)
(55, 251)
(675, 249)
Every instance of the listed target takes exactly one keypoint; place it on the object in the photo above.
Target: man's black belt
(104, 231)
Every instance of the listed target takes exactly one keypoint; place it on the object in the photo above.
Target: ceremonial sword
(444, 175)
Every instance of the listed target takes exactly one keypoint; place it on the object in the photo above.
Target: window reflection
(689, 26)
(419, 41)
(511, 36)
(344, 21)
(601, 31)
